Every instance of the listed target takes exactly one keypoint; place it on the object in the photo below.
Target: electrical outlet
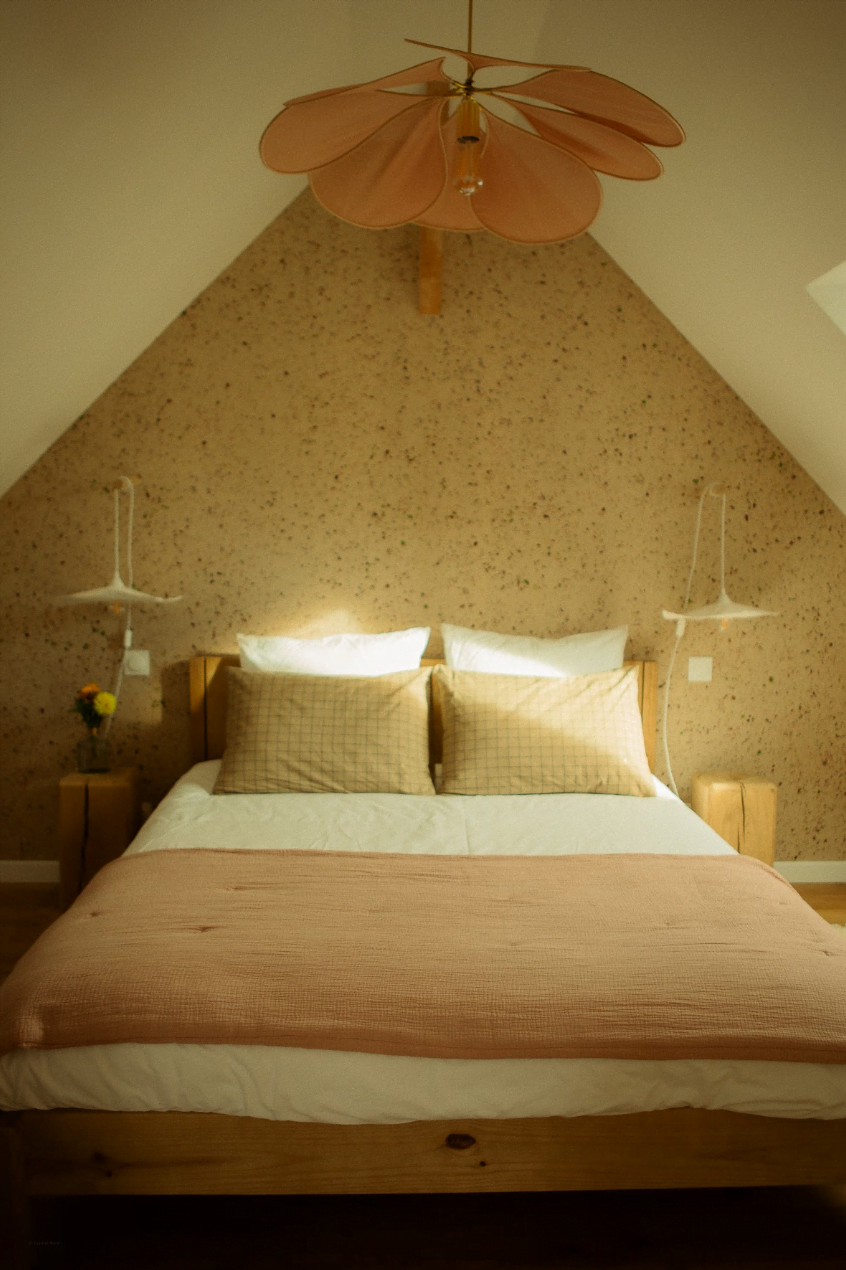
(136, 661)
(700, 670)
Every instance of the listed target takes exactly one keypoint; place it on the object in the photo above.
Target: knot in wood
(460, 1141)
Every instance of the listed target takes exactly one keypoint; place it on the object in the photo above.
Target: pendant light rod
(124, 484)
(469, 26)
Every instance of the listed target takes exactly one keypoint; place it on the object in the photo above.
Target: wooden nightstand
(99, 815)
(740, 808)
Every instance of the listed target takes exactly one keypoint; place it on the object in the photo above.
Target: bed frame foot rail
(194, 1153)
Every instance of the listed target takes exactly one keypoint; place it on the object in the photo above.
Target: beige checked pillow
(319, 734)
(511, 734)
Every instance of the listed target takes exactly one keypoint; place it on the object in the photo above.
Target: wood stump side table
(740, 808)
(99, 815)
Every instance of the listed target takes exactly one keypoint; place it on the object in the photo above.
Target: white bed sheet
(349, 1088)
(450, 824)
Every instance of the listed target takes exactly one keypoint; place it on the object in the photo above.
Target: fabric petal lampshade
(418, 146)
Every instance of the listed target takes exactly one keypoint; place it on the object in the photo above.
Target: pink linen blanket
(626, 956)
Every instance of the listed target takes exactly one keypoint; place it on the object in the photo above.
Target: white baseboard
(812, 870)
(43, 871)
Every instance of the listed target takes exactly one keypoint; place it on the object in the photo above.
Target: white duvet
(347, 1088)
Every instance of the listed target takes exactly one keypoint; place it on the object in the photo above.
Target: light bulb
(467, 176)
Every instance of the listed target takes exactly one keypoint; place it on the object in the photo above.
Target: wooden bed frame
(176, 1153)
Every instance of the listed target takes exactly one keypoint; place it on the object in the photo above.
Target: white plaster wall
(751, 208)
(132, 179)
(130, 148)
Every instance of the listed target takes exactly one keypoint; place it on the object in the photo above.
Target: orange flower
(90, 690)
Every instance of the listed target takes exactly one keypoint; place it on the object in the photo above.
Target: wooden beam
(431, 253)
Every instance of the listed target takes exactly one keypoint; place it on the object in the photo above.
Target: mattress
(351, 1088)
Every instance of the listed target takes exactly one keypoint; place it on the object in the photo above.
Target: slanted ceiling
(129, 149)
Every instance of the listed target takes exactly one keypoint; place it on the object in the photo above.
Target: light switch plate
(700, 670)
(136, 661)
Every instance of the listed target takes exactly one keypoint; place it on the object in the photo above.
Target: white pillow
(492, 654)
(359, 655)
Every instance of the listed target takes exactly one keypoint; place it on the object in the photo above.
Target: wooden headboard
(207, 685)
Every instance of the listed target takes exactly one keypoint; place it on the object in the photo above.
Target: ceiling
(129, 158)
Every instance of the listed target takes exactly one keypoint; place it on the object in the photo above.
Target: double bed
(127, 1116)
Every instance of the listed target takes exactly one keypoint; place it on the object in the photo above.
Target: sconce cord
(127, 485)
(681, 624)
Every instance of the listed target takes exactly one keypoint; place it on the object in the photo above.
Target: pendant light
(118, 594)
(722, 610)
(420, 146)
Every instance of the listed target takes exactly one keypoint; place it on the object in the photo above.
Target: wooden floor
(803, 1229)
(25, 911)
(828, 898)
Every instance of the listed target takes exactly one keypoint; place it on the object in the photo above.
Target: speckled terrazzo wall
(315, 456)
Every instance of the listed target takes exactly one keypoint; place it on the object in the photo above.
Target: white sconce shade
(117, 592)
(723, 610)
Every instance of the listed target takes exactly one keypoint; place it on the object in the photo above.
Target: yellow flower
(105, 703)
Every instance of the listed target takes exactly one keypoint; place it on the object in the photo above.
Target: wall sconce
(722, 610)
(117, 594)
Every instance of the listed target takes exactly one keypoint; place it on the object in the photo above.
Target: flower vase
(93, 754)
